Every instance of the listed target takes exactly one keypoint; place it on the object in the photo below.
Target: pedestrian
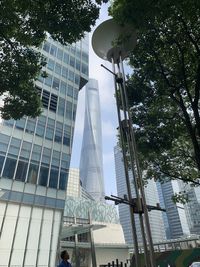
(65, 257)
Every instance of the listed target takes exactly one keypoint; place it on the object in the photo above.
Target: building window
(9, 123)
(1, 162)
(63, 88)
(25, 151)
(85, 57)
(77, 79)
(71, 76)
(72, 61)
(63, 180)
(43, 177)
(30, 126)
(70, 91)
(58, 69)
(50, 129)
(58, 132)
(66, 58)
(48, 80)
(14, 147)
(84, 69)
(53, 50)
(46, 156)
(61, 106)
(68, 110)
(55, 158)
(9, 168)
(53, 103)
(56, 83)
(21, 171)
(78, 65)
(40, 126)
(64, 72)
(50, 64)
(65, 161)
(45, 98)
(20, 124)
(59, 54)
(46, 47)
(66, 137)
(32, 173)
(4, 140)
(36, 153)
(53, 180)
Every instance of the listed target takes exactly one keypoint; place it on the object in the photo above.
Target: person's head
(64, 255)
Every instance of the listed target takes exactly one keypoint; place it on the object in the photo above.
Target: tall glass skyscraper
(151, 193)
(91, 170)
(175, 212)
(34, 161)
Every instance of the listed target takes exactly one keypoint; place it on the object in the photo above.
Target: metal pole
(135, 178)
(93, 253)
(140, 183)
(134, 232)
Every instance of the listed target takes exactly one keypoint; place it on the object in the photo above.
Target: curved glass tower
(91, 166)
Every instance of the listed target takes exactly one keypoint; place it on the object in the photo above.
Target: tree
(24, 25)
(164, 89)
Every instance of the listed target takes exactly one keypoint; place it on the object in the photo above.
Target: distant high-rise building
(91, 170)
(176, 213)
(34, 161)
(151, 193)
(193, 208)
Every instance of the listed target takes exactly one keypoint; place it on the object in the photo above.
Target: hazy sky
(108, 114)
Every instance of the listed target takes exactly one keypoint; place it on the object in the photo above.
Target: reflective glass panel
(53, 181)
(32, 173)
(21, 171)
(9, 168)
(43, 177)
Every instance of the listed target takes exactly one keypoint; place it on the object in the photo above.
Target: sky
(108, 114)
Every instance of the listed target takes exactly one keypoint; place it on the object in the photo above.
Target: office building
(192, 208)
(34, 161)
(151, 193)
(91, 170)
(176, 213)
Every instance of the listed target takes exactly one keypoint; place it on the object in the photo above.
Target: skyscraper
(91, 170)
(34, 161)
(193, 208)
(151, 193)
(175, 212)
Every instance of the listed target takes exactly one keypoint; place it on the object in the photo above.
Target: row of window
(65, 72)
(46, 156)
(58, 104)
(63, 56)
(30, 172)
(45, 128)
(60, 86)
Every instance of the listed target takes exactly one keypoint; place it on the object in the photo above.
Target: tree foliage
(24, 25)
(164, 89)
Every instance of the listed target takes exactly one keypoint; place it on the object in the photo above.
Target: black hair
(62, 254)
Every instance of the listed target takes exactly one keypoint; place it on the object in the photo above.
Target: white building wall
(28, 235)
(111, 233)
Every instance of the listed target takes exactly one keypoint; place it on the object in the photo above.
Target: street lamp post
(113, 43)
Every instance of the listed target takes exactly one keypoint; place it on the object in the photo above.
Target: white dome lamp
(110, 41)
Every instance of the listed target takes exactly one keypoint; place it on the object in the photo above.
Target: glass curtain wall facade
(34, 161)
(151, 193)
(175, 212)
(91, 163)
